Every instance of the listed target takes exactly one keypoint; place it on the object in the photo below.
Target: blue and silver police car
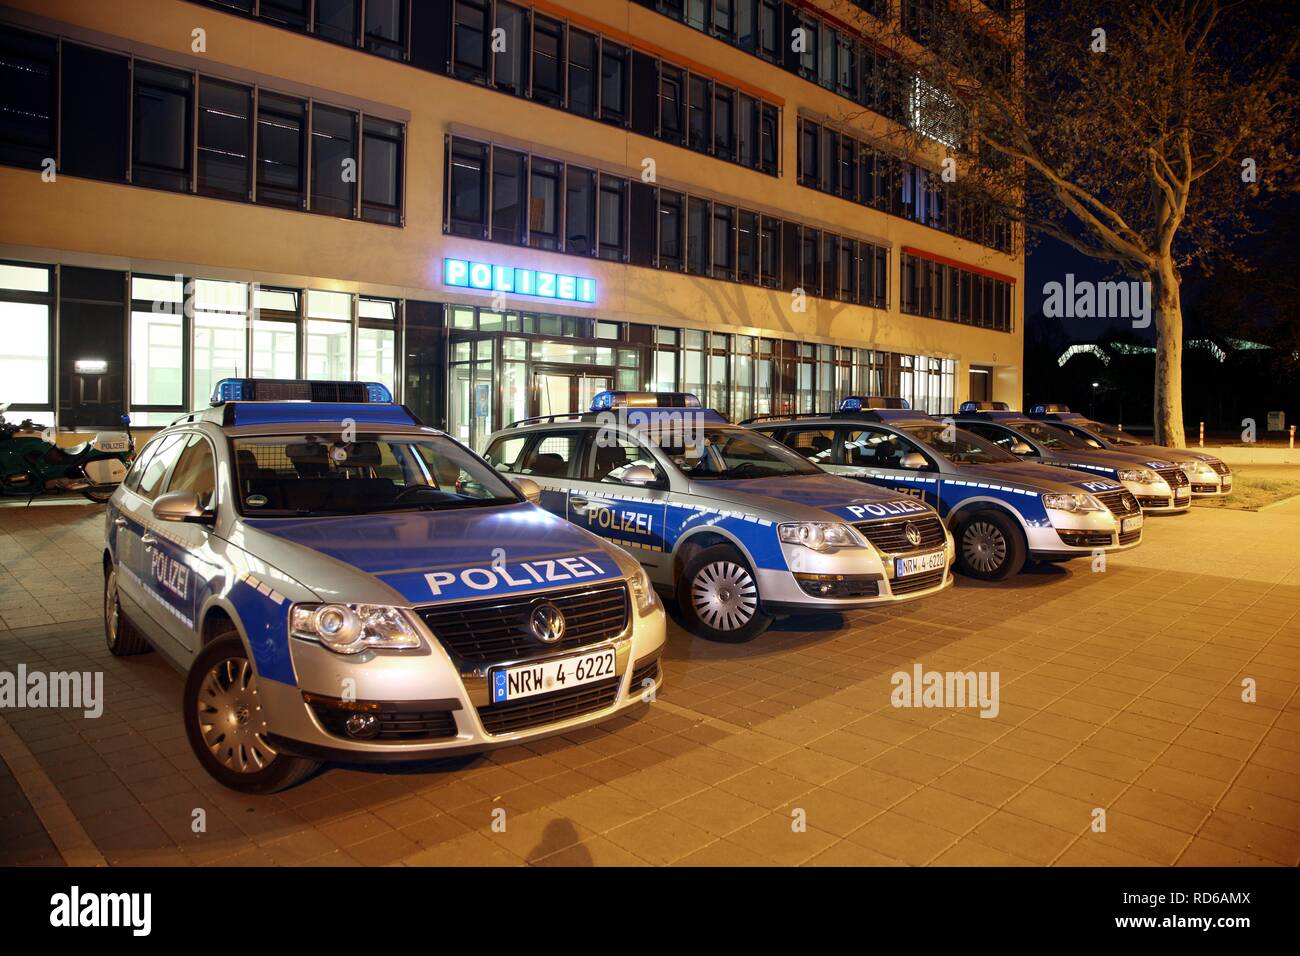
(740, 528)
(1160, 486)
(1000, 510)
(341, 582)
(1210, 476)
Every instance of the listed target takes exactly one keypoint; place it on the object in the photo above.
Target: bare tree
(1138, 132)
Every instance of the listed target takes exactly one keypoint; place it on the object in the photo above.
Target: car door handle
(119, 522)
(148, 540)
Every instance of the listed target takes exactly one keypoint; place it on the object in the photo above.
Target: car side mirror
(528, 488)
(181, 506)
(913, 460)
(638, 475)
(1021, 448)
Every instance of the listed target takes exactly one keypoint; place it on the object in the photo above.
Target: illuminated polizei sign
(497, 278)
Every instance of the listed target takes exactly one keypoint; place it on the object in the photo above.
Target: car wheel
(990, 546)
(224, 725)
(718, 596)
(120, 634)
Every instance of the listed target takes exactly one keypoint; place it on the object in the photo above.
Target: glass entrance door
(564, 391)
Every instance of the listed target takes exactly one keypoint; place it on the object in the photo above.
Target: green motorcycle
(31, 465)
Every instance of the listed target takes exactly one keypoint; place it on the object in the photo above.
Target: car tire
(221, 711)
(990, 546)
(120, 635)
(718, 596)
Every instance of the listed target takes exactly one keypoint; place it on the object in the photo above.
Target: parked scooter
(30, 465)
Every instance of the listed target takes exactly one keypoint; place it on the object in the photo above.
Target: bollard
(1202, 434)
(1292, 437)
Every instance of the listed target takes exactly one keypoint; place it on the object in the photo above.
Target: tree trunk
(1166, 304)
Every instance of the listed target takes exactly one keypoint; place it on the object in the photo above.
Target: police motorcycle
(31, 465)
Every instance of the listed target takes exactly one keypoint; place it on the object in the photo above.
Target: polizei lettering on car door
(518, 575)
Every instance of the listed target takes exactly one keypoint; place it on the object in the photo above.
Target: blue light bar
(608, 399)
(298, 390)
(1049, 408)
(984, 407)
(496, 278)
(856, 403)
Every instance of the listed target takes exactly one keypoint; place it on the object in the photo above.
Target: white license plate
(557, 673)
(1184, 492)
(919, 563)
(113, 446)
(1130, 524)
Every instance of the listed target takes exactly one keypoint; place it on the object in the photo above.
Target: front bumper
(437, 708)
(1079, 534)
(1218, 485)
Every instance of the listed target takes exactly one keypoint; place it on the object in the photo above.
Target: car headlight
(1073, 502)
(1197, 469)
(823, 536)
(353, 628)
(643, 592)
(1143, 476)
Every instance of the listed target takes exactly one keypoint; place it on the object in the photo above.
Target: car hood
(808, 498)
(1171, 454)
(1037, 478)
(435, 556)
(1110, 460)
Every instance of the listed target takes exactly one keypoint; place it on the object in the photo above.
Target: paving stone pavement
(1120, 691)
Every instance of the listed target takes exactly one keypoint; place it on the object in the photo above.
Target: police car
(1001, 511)
(341, 582)
(741, 528)
(1160, 486)
(1210, 477)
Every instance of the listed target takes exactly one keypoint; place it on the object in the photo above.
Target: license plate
(918, 563)
(558, 673)
(1183, 492)
(116, 445)
(1130, 524)
(1226, 484)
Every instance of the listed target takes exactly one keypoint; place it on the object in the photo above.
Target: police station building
(496, 208)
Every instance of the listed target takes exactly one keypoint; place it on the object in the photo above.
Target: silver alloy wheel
(112, 612)
(230, 715)
(724, 596)
(984, 546)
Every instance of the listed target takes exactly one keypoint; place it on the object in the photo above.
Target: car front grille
(396, 723)
(1151, 501)
(1176, 477)
(1120, 502)
(890, 534)
(917, 582)
(1086, 539)
(1220, 468)
(530, 712)
(1204, 489)
(1128, 537)
(492, 631)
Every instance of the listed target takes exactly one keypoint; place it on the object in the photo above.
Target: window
(333, 161)
(771, 124)
(26, 304)
(613, 83)
(157, 347)
(381, 183)
(195, 471)
(724, 241)
(582, 73)
(329, 335)
(700, 136)
(162, 135)
(503, 454)
(548, 55)
(336, 20)
(553, 455)
(811, 262)
(470, 40)
(671, 123)
(697, 236)
(467, 189)
(609, 461)
(287, 13)
(747, 247)
(510, 66)
(770, 252)
(508, 196)
(275, 333)
(544, 204)
(225, 139)
(747, 131)
(724, 123)
(580, 211)
(815, 444)
(220, 344)
(28, 86)
(670, 230)
(160, 462)
(613, 218)
(377, 341)
(386, 28)
(281, 148)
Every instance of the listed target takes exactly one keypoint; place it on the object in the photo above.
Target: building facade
(497, 208)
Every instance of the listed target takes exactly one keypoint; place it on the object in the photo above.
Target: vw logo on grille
(913, 534)
(546, 622)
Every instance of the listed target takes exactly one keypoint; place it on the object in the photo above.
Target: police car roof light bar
(856, 403)
(608, 399)
(984, 407)
(299, 390)
(1050, 408)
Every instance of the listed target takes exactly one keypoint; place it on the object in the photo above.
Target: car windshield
(729, 452)
(322, 474)
(1109, 432)
(958, 445)
(1049, 436)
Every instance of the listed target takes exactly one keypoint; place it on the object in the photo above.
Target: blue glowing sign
(492, 278)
